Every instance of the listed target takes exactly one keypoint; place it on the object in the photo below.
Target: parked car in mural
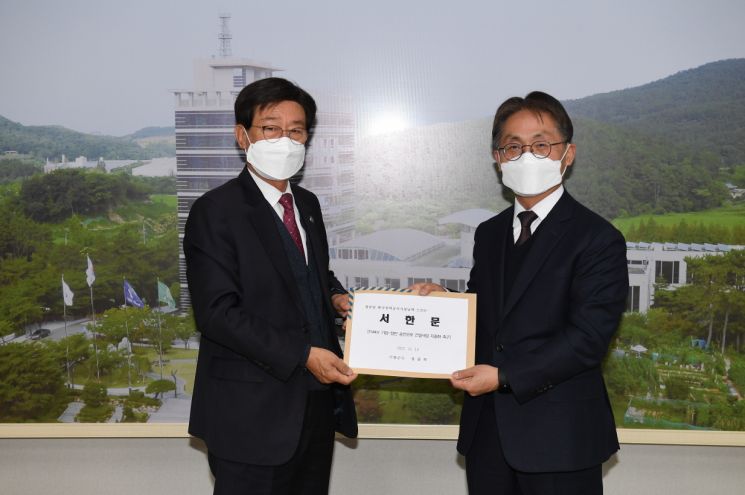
(40, 333)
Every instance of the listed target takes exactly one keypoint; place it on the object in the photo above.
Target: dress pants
(306, 473)
(488, 473)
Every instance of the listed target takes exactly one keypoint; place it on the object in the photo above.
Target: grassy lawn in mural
(159, 206)
(731, 215)
(152, 218)
(725, 224)
(144, 365)
(181, 361)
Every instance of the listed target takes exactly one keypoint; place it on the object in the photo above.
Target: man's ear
(241, 136)
(571, 153)
(495, 155)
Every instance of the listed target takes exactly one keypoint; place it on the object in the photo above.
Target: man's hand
(478, 380)
(424, 288)
(341, 306)
(327, 367)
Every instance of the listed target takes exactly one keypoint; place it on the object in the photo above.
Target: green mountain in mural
(54, 141)
(666, 146)
(703, 108)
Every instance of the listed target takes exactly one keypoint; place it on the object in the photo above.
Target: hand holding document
(403, 334)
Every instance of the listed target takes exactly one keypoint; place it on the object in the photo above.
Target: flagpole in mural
(160, 342)
(131, 298)
(129, 343)
(90, 277)
(67, 296)
(164, 296)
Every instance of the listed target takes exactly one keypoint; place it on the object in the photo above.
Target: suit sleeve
(212, 272)
(335, 287)
(598, 292)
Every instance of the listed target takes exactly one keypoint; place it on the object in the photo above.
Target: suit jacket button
(499, 348)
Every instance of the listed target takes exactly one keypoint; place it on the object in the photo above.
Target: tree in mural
(97, 408)
(718, 289)
(712, 306)
(69, 352)
(183, 327)
(31, 383)
(160, 387)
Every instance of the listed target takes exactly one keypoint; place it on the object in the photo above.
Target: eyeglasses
(540, 149)
(273, 133)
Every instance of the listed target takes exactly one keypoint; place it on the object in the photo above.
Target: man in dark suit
(271, 387)
(552, 281)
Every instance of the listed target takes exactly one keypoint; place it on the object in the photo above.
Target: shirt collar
(270, 193)
(543, 207)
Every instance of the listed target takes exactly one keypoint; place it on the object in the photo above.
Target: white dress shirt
(542, 209)
(272, 195)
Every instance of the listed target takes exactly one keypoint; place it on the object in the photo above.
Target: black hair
(538, 103)
(270, 91)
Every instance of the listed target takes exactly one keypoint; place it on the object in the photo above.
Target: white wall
(389, 467)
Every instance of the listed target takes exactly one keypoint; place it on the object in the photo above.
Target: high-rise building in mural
(207, 154)
(329, 166)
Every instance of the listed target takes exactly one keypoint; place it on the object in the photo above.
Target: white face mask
(278, 160)
(530, 176)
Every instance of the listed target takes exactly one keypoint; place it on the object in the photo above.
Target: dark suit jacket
(549, 337)
(251, 385)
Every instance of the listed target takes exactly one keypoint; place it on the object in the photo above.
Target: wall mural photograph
(114, 120)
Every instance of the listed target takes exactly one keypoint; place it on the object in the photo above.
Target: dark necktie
(289, 220)
(526, 218)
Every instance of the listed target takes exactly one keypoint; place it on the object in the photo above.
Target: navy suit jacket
(549, 336)
(251, 385)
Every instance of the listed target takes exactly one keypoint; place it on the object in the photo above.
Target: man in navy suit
(552, 282)
(270, 387)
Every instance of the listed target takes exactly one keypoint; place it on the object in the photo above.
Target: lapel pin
(310, 219)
